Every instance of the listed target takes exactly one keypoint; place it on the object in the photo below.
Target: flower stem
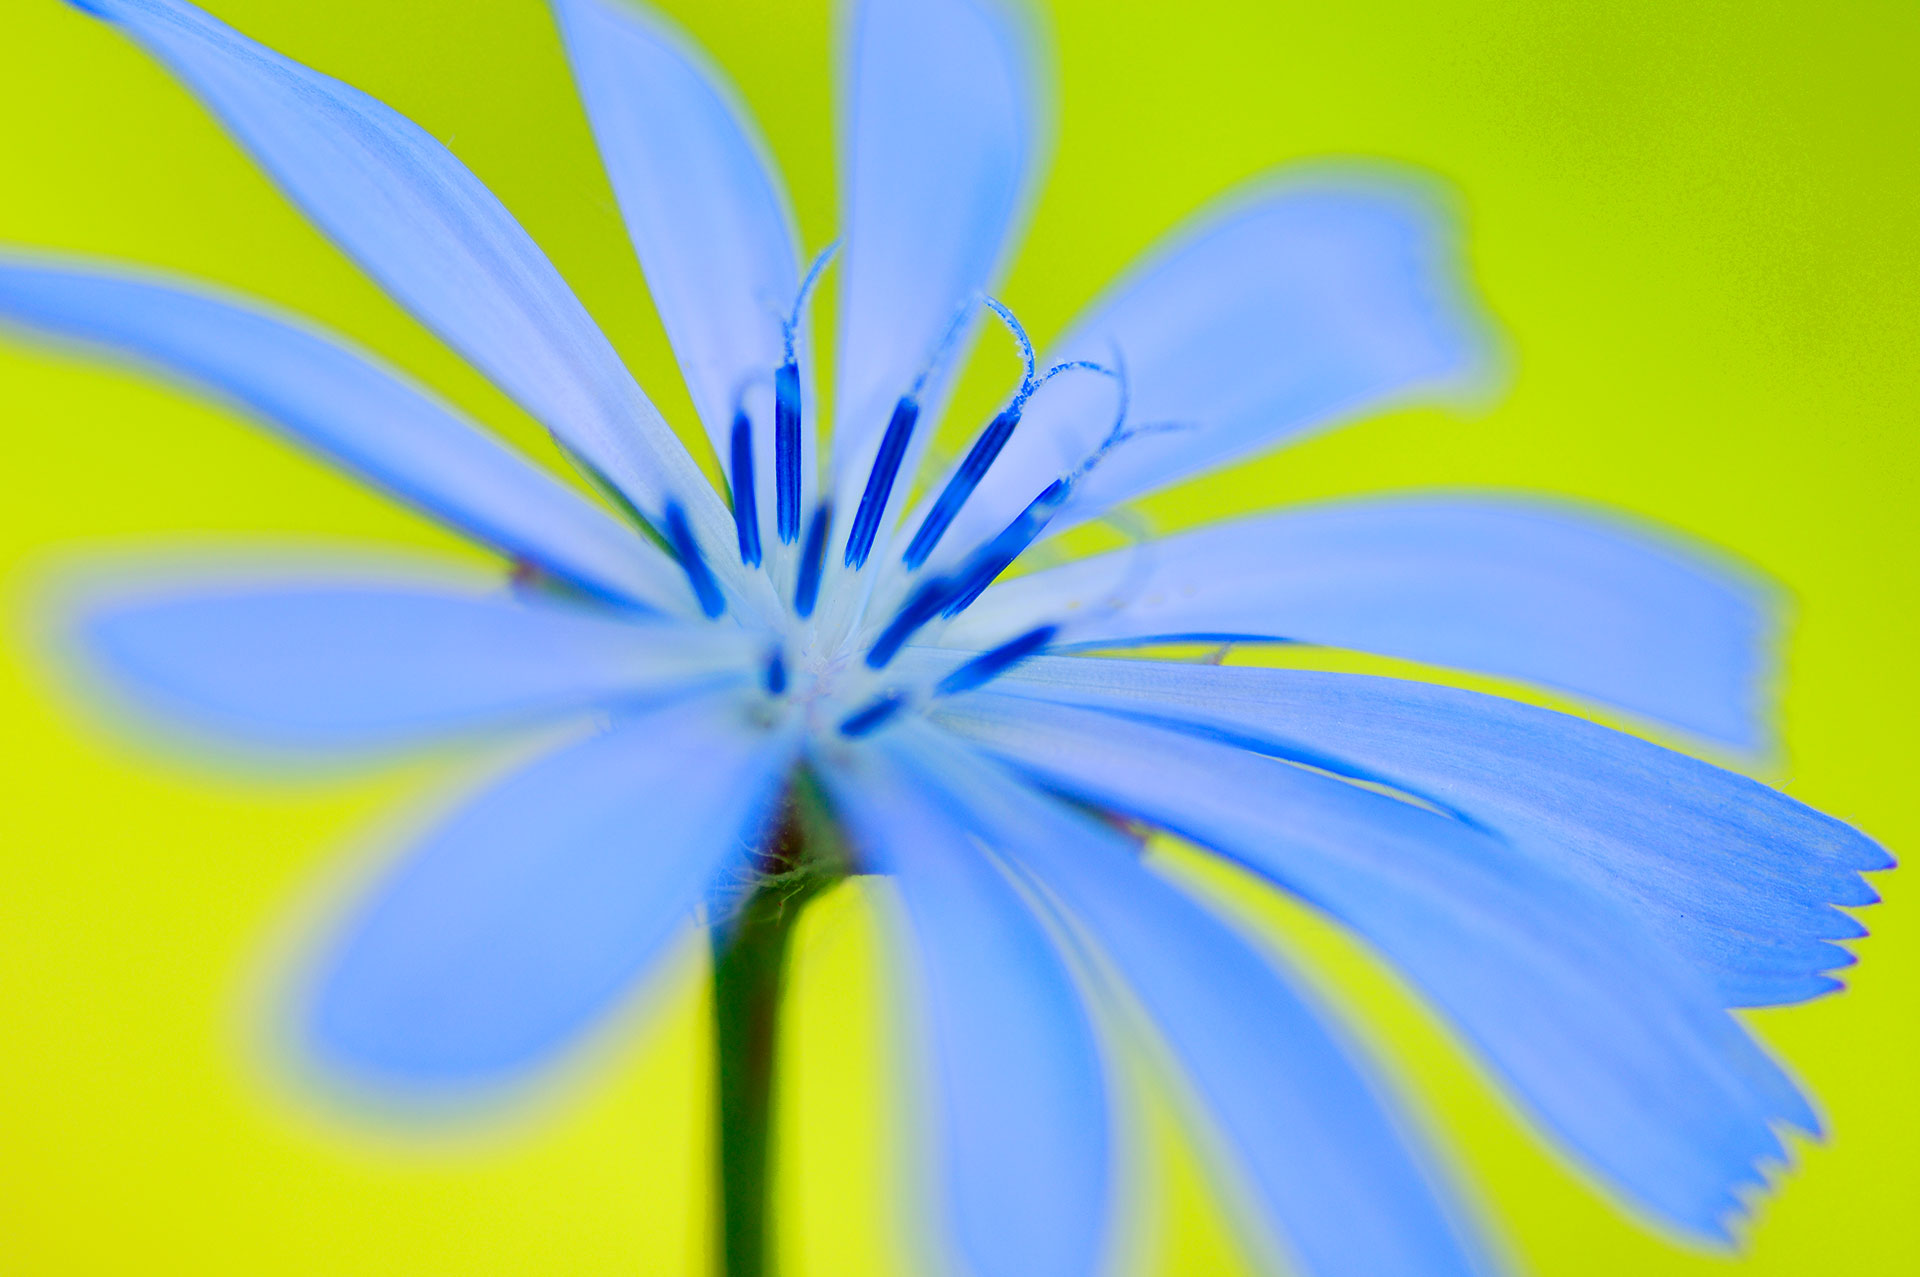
(750, 950)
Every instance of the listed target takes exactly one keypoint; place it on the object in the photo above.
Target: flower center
(834, 669)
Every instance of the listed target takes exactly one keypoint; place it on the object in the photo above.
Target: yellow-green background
(1697, 223)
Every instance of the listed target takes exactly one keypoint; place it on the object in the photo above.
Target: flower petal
(344, 405)
(1019, 1102)
(1525, 591)
(704, 207)
(1736, 876)
(1615, 1042)
(1333, 1167)
(532, 909)
(422, 225)
(1301, 303)
(938, 152)
(356, 665)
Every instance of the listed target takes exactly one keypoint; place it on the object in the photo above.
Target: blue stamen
(786, 451)
(986, 449)
(692, 562)
(990, 665)
(886, 468)
(862, 721)
(746, 511)
(916, 612)
(786, 410)
(776, 673)
(893, 444)
(997, 555)
(806, 590)
(948, 596)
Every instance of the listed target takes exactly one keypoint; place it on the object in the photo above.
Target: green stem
(749, 969)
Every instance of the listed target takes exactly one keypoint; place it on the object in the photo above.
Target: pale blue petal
(352, 411)
(1617, 1045)
(1302, 303)
(1736, 876)
(354, 665)
(421, 224)
(530, 911)
(1019, 1101)
(938, 152)
(1335, 1171)
(1527, 591)
(704, 207)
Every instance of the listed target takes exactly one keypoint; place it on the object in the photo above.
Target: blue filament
(916, 612)
(990, 560)
(986, 449)
(990, 665)
(878, 711)
(886, 468)
(806, 590)
(786, 411)
(998, 554)
(983, 452)
(893, 444)
(981, 456)
(786, 451)
(776, 673)
(746, 511)
(692, 562)
(947, 596)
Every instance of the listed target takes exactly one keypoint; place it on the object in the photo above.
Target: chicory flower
(1583, 905)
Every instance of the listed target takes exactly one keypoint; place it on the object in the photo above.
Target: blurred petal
(422, 225)
(703, 204)
(1738, 877)
(938, 151)
(1616, 1044)
(1305, 302)
(1532, 592)
(359, 665)
(1333, 1166)
(535, 907)
(352, 411)
(1019, 1101)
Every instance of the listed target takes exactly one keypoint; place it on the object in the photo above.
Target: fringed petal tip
(1874, 858)
(1622, 1051)
(1724, 1220)
(1839, 959)
(1735, 875)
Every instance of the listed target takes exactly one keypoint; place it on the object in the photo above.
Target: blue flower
(1585, 906)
